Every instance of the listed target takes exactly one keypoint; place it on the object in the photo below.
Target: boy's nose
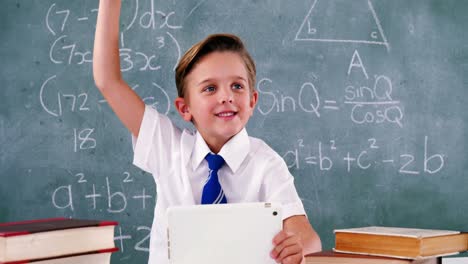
(226, 96)
(227, 100)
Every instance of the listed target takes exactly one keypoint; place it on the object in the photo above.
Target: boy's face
(218, 98)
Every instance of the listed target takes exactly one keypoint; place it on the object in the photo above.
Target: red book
(97, 257)
(55, 237)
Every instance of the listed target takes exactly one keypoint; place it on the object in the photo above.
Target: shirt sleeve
(157, 139)
(279, 188)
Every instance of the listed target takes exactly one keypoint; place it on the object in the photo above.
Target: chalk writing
(368, 106)
(65, 197)
(372, 105)
(77, 101)
(147, 19)
(57, 18)
(328, 155)
(142, 243)
(63, 52)
(308, 32)
(307, 100)
(83, 139)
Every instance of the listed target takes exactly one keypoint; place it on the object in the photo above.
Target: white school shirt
(175, 158)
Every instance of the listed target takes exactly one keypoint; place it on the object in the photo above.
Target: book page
(398, 231)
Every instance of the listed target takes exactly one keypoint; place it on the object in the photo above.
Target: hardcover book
(409, 243)
(47, 238)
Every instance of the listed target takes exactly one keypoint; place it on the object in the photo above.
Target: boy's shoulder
(261, 150)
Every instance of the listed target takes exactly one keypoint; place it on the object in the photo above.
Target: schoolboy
(215, 82)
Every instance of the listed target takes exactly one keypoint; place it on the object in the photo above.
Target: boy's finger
(287, 242)
(278, 242)
(293, 259)
(282, 235)
(293, 252)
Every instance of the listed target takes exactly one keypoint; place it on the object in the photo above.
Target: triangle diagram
(342, 21)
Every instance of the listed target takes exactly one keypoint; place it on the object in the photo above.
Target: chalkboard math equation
(379, 108)
(326, 155)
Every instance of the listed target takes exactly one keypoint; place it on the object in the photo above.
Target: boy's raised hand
(287, 248)
(128, 106)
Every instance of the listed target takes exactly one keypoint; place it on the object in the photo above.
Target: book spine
(32, 221)
(108, 223)
(10, 234)
(109, 250)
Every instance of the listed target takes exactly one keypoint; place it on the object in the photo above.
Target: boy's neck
(216, 145)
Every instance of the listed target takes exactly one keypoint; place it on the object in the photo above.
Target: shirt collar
(233, 152)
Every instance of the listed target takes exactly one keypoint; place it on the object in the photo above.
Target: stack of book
(57, 241)
(391, 245)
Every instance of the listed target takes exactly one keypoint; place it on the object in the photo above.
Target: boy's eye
(209, 89)
(237, 86)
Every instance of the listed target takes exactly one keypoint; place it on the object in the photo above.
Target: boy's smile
(218, 98)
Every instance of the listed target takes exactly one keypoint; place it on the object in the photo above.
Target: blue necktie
(212, 191)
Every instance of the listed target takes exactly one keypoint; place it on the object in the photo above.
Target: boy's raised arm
(106, 68)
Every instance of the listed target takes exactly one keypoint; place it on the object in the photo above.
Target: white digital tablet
(227, 233)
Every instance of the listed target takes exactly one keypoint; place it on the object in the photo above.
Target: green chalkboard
(365, 100)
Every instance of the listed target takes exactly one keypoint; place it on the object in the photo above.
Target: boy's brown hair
(212, 43)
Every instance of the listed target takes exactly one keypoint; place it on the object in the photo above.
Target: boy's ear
(253, 100)
(183, 109)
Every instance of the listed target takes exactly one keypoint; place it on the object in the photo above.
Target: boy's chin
(221, 132)
(228, 133)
